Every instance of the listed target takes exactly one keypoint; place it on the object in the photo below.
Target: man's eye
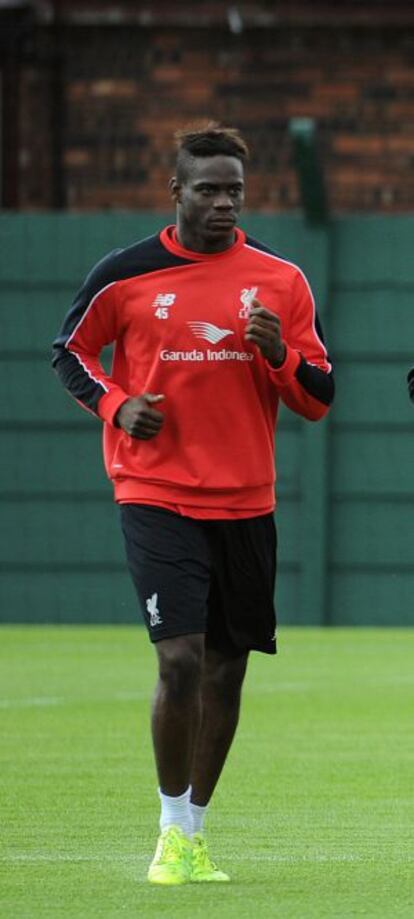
(235, 191)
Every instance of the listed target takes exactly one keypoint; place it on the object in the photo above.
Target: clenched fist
(138, 418)
(263, 329)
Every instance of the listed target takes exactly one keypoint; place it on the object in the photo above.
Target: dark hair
(208, 138)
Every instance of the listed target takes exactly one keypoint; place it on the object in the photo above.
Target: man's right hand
(138, 418)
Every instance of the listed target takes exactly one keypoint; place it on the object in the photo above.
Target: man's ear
(175, 189)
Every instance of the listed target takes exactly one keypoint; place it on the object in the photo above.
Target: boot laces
(201, 856)
(171, 847)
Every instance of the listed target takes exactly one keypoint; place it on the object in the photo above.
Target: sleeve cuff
(284, 374)
(109, 404)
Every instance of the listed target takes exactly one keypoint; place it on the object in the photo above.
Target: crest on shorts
(154, 613)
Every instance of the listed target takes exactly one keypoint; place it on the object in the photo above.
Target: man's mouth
(223, 221)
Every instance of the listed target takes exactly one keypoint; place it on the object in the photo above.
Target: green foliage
(313, 816)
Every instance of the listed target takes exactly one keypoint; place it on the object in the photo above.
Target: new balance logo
(162, 303)
(247, 296)
(154, 613)
(209, 332)
(164, 300)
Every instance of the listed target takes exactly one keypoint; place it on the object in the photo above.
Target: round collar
(168, 237)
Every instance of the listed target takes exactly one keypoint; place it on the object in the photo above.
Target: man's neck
(188, 239)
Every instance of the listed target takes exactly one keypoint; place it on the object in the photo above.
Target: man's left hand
(264, 330)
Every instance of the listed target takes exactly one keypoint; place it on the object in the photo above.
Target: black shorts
(204, 576)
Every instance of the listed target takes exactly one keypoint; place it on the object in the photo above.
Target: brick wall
(128, 83)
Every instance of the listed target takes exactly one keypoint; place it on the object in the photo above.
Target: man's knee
(180, 664)
(224, 676)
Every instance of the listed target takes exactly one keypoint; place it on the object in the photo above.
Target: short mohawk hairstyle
(208, 138)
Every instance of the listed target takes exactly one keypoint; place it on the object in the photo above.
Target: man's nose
(223, 201)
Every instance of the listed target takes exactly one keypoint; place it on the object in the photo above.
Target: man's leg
(176, 710)
(220, 705)
(175, 725)
(221, 686)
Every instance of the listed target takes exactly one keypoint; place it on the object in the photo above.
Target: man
(211, 330)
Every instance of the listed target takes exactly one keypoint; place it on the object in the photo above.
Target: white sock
(198, 814)
(176, 811)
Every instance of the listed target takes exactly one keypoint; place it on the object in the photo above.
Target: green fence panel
(85, 595)
(378, 596)
(37, 473)
(375, 321)
(371, 570)
(345, 486)
(373, 251)
(372, 463)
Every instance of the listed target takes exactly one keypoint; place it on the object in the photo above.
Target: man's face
(210, 198)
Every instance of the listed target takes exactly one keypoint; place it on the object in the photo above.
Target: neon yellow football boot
(172, 861)
(202, 868)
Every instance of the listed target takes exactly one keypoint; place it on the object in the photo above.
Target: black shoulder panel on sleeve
(261, 247)
(319, 331)
(319, 328)
(140, 258)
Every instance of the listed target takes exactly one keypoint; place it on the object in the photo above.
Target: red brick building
(92, 92)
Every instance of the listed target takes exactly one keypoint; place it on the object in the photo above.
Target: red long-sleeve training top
(178, 320)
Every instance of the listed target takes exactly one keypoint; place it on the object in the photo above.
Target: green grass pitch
(313, 817)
